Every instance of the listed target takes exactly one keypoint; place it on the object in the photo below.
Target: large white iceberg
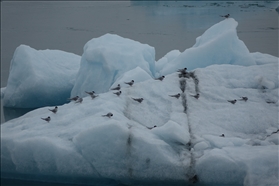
(40, 78)
(108, 57)
(207, 140)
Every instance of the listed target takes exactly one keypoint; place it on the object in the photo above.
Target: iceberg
(163, 140)
(40, 78)
(106, 58)
(218, 45)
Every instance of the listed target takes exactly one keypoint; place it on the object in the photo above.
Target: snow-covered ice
(186, 146)
(40, 77)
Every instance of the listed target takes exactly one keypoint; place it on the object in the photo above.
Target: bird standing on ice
(118, 93)
(109, 115)
(54, 110)
(232, 101)
(175, 96)
(73, 98)
(244, 99)
(116, 88)
(46, 119)
(151, 127)
(130, 83)
(196, 96)
(90, 93)
(138, 99)
(225, 16)
(160, 78)
(79, 100)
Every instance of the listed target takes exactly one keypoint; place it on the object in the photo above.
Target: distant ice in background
(163, 139)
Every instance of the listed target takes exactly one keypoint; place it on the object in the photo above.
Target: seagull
(138, 99)
(73, 98)
(160, 78)
(232, 101)
(79, 100)
(151, 127)
(196, 96)
(116, 88)
(183, 70)
(54, 110)
(130, 83)
(93, 96)
(117, 93)
(226, 16)
(46, 119)
(175, 96)
(90, 93)
(108, 115)
(244, 99)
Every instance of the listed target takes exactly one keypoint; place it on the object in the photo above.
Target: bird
(138, 99)
(90, 93)
(151, 127)
(79, 100)
(46, 119)
(222, 135)
(160, 78)
(175, 96)
(109, 115)
(232, 101)
(183, 70)
(130, 83)
(93, 96)
(54, 110)
(244, 99)
(116, 88)
(73, 98)
(226, 16)
(118, 93)
(196, 96)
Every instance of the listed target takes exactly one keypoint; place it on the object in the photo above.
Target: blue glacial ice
(40, 77)
(186, 146)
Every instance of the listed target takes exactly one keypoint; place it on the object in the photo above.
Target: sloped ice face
(107, 58)
(40, 78)
(218, 45)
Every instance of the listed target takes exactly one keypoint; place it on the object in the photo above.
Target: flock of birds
(183, 73)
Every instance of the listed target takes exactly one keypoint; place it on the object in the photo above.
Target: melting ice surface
(186, 146)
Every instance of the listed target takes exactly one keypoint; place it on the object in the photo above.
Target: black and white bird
(90, 93)
(183, 70)
(138, 99)
(196, 96)
(244, 99)
(222, 135)
(151, 127)
(109, 115)
(54, 110)
(130, 83)
(175, 96)
(232, 101)
(160, 78)
(46, 119)
(94, 96)
(73, 98)
(79, 100)
(116, 88)
(117, 93)
(225, 16)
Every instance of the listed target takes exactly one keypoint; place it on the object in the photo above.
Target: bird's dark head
(133, 81)
(56, 107)
(155, 126)
(178, 94)
(48, 117)
(118, 85)
(119, 91)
